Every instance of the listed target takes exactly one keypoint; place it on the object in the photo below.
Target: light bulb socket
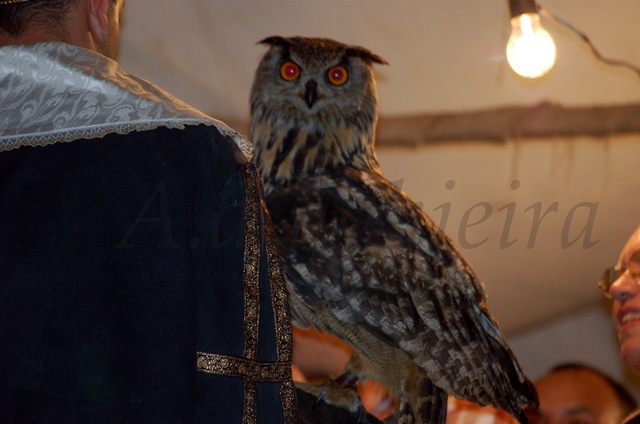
(520, 7)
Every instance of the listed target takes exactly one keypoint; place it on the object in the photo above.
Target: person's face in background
(626, 301)
(576, 397)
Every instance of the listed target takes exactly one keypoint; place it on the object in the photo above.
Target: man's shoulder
(207, 140)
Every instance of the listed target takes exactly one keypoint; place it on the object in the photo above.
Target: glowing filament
(531, 51)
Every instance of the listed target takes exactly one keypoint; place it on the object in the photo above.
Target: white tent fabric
(444, 56)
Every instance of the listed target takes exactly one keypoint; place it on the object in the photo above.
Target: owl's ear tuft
(275, 40)
(366, 55)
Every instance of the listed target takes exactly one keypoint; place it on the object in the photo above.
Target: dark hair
(49, 15)
(626, 400)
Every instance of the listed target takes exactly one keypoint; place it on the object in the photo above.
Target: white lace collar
(54, 92)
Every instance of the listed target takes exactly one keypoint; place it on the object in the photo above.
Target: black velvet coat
(138, 284)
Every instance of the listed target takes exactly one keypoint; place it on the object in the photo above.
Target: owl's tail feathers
(519, 393)
(421, 401)
(530, 400)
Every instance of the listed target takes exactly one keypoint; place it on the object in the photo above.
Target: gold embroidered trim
(278, 292)
(281, 316)
(249, 367)
(252, 254)
(250, 403)
(231, 366)
(252, 251)
(288, 396)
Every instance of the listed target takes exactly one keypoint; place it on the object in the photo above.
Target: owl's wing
(358, 248)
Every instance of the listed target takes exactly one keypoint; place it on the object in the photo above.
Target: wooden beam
(544, 120)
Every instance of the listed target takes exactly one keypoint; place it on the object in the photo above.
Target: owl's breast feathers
(352, 226)
(289, 151)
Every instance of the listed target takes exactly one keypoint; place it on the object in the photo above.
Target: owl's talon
(347, 380)
(334, 394)
(362, 414)
(319, 397)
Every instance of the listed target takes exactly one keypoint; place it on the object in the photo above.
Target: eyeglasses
(611, 275)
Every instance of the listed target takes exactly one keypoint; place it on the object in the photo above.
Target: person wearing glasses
(622, 284)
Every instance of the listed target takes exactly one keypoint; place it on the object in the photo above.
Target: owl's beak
(311, 93)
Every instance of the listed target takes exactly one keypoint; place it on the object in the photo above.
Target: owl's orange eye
(289, 71)
(338, 75)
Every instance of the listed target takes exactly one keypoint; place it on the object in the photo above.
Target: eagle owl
(362, 261)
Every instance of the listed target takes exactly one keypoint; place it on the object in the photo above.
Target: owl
(362, 261)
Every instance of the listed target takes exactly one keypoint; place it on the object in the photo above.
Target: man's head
(572, 393)
(91, 24)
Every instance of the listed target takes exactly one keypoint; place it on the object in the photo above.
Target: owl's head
(303, 77)
(313, 106)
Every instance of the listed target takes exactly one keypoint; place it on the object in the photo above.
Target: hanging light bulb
(531, 51)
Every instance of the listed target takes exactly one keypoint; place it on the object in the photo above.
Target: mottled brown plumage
(362, 260)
